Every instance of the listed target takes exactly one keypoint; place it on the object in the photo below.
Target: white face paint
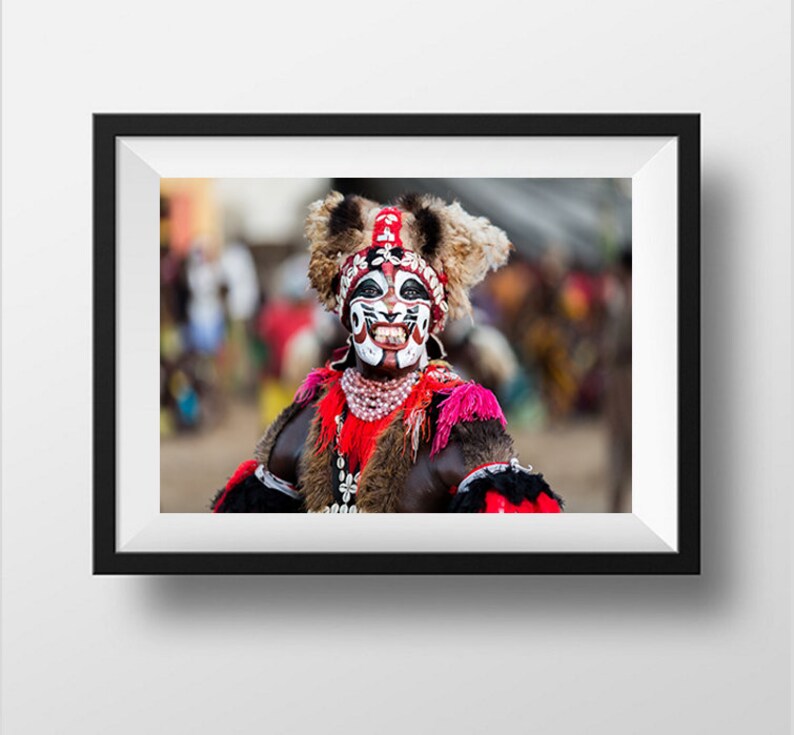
(390, 318)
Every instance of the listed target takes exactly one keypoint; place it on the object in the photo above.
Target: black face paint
(387, 308)
(367, 289)
(413, 290)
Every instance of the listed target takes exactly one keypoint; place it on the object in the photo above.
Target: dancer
(387, 425)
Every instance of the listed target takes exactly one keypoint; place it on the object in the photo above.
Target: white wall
(547, 655)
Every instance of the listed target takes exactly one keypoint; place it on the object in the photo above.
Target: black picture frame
(108, 127)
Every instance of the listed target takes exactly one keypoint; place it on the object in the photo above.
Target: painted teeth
(390, 335)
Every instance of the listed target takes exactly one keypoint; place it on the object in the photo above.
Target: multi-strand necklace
(370, 400)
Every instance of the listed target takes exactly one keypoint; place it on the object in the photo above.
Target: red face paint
(361, 335)
(387, 252)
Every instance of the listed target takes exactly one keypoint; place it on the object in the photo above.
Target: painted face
(390, 318)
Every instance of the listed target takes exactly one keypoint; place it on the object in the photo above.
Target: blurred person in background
(206, 328)
(582, 309)
(508, 291)
(179, 399)
(312, 345)
(242, 295)
(205, 310)
(546, 339)
(479, 351)
(387, 426)
(617, 398)
(289, 310)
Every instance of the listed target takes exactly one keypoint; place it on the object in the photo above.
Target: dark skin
(387, 371)
(428, 482)
(426, 487)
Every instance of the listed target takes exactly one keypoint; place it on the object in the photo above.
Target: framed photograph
(397, 344)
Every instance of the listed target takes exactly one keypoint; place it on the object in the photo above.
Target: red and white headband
(387, 246)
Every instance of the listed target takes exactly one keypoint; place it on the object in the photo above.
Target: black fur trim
(430, 227)
(427, 221)
(251, 496)
(514, 486)
(482, 442)
(346, 216)
(348, 359)
(410, 201)
(435, 348)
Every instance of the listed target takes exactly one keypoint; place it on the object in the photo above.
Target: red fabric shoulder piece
(316, 378)
(467, 402)
(246, 469)
(497, 503)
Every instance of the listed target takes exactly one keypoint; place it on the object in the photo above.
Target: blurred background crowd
(551, 334)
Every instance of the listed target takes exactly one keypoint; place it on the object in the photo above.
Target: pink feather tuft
(309, 387)
(467, 402)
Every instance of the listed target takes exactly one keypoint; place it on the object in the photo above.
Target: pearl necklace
(370, 400)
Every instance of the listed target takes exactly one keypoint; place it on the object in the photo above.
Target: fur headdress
(449, 249)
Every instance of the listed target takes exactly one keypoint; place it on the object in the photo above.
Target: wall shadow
(509, 600)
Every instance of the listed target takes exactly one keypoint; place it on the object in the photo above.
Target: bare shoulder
(281, 446)
(433, 478)
(430, 480)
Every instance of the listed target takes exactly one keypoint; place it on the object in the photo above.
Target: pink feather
(310, 385)
(467, 402)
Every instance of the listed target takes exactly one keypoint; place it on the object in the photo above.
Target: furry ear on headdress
(334, 229)
(462, 247)
(452, 240)
(470, 247)
(427, 229)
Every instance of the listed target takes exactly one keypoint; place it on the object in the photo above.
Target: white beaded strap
(268, 479)
(492, 467)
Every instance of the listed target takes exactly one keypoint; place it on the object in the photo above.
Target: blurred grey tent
(589, 219)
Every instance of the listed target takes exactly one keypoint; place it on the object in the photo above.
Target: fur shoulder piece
(464, 403)
(266, 443)
(317, 380)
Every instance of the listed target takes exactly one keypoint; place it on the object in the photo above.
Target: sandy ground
(572, 457)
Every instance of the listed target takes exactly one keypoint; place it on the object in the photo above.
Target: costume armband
(254, 489)
(504, 487)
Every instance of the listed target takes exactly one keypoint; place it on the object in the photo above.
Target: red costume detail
(388, 223)
(246, 469)
(328, 409)
(436, 379)
(357, 437)
(496, 503)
